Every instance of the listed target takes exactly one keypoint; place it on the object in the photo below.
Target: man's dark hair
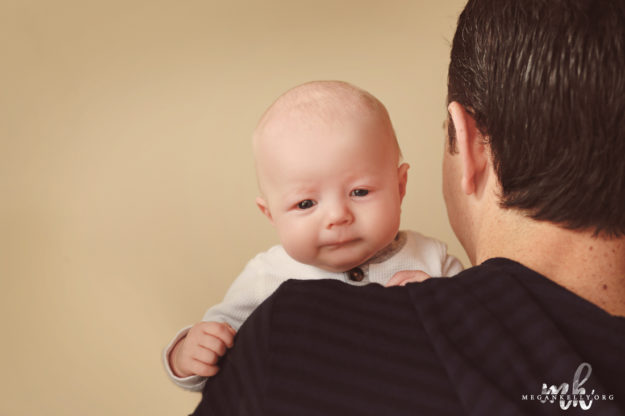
(545, 83)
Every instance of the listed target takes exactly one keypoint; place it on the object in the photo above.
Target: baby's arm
(193, 353)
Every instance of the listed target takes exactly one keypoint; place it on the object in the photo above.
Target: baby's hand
(199, 352)
(407, 276)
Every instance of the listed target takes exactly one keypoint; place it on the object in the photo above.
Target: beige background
(126, 179)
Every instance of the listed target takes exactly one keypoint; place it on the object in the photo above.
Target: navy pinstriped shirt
(481, 343)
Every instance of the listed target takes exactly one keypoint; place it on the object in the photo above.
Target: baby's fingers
(205, 356)
(407, 276)
(221, 331)
(208, 356)
(202, 369)
(210, 343)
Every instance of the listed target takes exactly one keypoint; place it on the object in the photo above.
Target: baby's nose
(339, 214)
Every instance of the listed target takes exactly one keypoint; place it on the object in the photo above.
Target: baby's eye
(359, 192)
(305, 204)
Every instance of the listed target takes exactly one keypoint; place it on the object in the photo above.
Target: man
(535, 190)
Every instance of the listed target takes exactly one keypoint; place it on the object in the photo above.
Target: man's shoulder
(326, 287)
(485, 284)
(326, 302)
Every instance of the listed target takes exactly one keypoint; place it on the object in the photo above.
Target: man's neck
(591, 267)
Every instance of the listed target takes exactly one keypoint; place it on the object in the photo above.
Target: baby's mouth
(340, 243)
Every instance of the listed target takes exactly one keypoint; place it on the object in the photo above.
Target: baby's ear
(402, 175)
(264, 208)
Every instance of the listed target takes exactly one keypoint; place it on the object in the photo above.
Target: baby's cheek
(298, 243)
(300, 252)
(386, 219)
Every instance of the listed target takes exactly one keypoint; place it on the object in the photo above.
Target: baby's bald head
(312, 107)
(321, 102)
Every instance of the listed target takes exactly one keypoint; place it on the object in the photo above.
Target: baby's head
(329, 173)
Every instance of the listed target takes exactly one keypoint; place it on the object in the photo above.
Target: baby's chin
(337, 269)
(342, 267)
(342, 258)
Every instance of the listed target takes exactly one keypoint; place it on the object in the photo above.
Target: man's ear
(402, 174)
(470, 146)
(264, 208)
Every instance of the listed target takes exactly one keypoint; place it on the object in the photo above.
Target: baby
(331, 182)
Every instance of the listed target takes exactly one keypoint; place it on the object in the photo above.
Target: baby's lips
(339, 242)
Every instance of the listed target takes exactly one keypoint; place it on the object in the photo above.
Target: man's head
(328, 169)
(544, 83)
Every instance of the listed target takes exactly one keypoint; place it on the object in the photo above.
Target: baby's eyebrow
(301, 189)
(295, 195)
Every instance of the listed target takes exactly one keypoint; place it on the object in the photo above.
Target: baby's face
(333, 190)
